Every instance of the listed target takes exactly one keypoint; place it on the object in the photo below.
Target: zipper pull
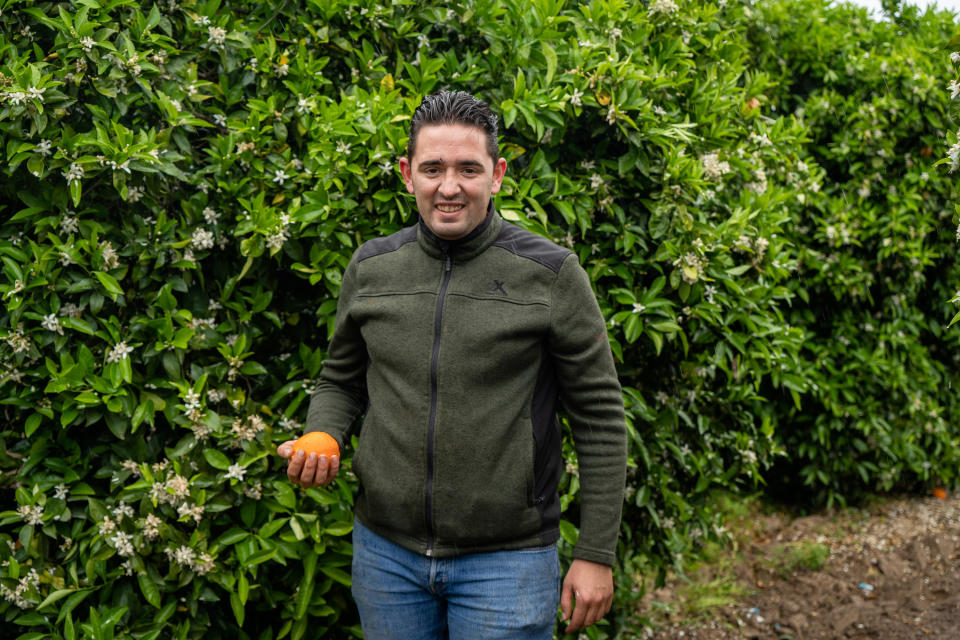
(449, 262)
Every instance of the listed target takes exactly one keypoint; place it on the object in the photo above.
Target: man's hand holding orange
(314, 459)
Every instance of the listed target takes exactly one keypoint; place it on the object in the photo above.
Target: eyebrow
(459, 163)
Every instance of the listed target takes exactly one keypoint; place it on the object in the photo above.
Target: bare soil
(889, 571)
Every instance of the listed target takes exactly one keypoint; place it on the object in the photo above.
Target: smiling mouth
(450, 208)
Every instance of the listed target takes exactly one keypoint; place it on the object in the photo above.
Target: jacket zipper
(434, 394)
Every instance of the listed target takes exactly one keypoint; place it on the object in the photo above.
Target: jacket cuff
(594, 555)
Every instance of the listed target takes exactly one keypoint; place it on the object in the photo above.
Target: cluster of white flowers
(134, 194)
(120, 351)
(123, 543)
(290, 424)
(759, 185)
(69, 224)
(173, 491)
(122, 510)
(954, 88)
(195, 511)
(21, 97)
(18, 340)
(276, 239)
(188, 558)
(52, 323)
(74, 173)
(216, 35)
(254, 491)
(110, 258)
(691, 266)
(32, 514)
(236, 471)
(202, 239)
(713, 167)
(151, 526)
(666, 7)
(249, 428)
(25, 584)
(44, 147)
(107, 526)
(596, 180)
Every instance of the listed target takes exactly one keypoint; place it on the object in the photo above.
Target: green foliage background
(752, 190)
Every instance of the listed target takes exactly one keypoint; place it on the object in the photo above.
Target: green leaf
(149, 588)
(55, 596)
(109, 283)
(337, 575)
(32, 423)
(551, 57)
(569, 532)
(216, 459)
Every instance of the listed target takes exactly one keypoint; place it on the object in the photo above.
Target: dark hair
(454, 107)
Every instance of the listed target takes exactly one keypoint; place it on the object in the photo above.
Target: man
(456, 338)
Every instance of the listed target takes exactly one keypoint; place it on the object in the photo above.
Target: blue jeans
(503, 594)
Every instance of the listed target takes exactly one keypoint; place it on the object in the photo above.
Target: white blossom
(576, 97)
(123, 543)
(120, 351)
(32, 514)
(236, 471)
(713, 167)
(69, 224)
(276, 240)
(151, 526)
(955, 57)
(217, 35)
(107, 527)
(45, 147)
(184, 556)
(52, 323)
(203, 564)
(638, 307)
(210, 215)
(596, 180)
(87, 43)
(954, 88)
(665, 7)
(60, 491)
(202, 239)
(280, 176)
(74, 173)
(110, 258)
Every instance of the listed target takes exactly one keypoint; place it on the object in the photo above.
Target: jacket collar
(464, 248)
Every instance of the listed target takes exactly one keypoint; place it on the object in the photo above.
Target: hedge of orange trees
(752, 190)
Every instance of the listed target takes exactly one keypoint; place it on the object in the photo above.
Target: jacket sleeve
(592, 398)
(341, 393)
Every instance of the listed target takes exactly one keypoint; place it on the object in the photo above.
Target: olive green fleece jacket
(457, 354)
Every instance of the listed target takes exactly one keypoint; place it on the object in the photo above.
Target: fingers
(285, 450)
(588, 609)
(312, 471)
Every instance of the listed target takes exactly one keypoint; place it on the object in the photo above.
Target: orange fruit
(940, 493)
(317, 442)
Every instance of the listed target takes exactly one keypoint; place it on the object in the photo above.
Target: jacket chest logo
(496, 286)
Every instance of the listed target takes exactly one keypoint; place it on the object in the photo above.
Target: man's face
(452, 176)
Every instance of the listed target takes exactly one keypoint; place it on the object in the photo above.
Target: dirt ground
(889, 571)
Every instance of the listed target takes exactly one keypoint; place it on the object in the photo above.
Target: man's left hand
(587, 594)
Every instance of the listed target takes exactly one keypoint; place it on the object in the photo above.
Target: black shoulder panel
(529, 245)
(394, 241)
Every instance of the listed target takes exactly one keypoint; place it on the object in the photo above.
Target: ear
(407, 172)
(499, 170)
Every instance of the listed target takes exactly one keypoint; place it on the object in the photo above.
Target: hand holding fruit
(314, 459)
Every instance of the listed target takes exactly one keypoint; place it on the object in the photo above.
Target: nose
(449, 185)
